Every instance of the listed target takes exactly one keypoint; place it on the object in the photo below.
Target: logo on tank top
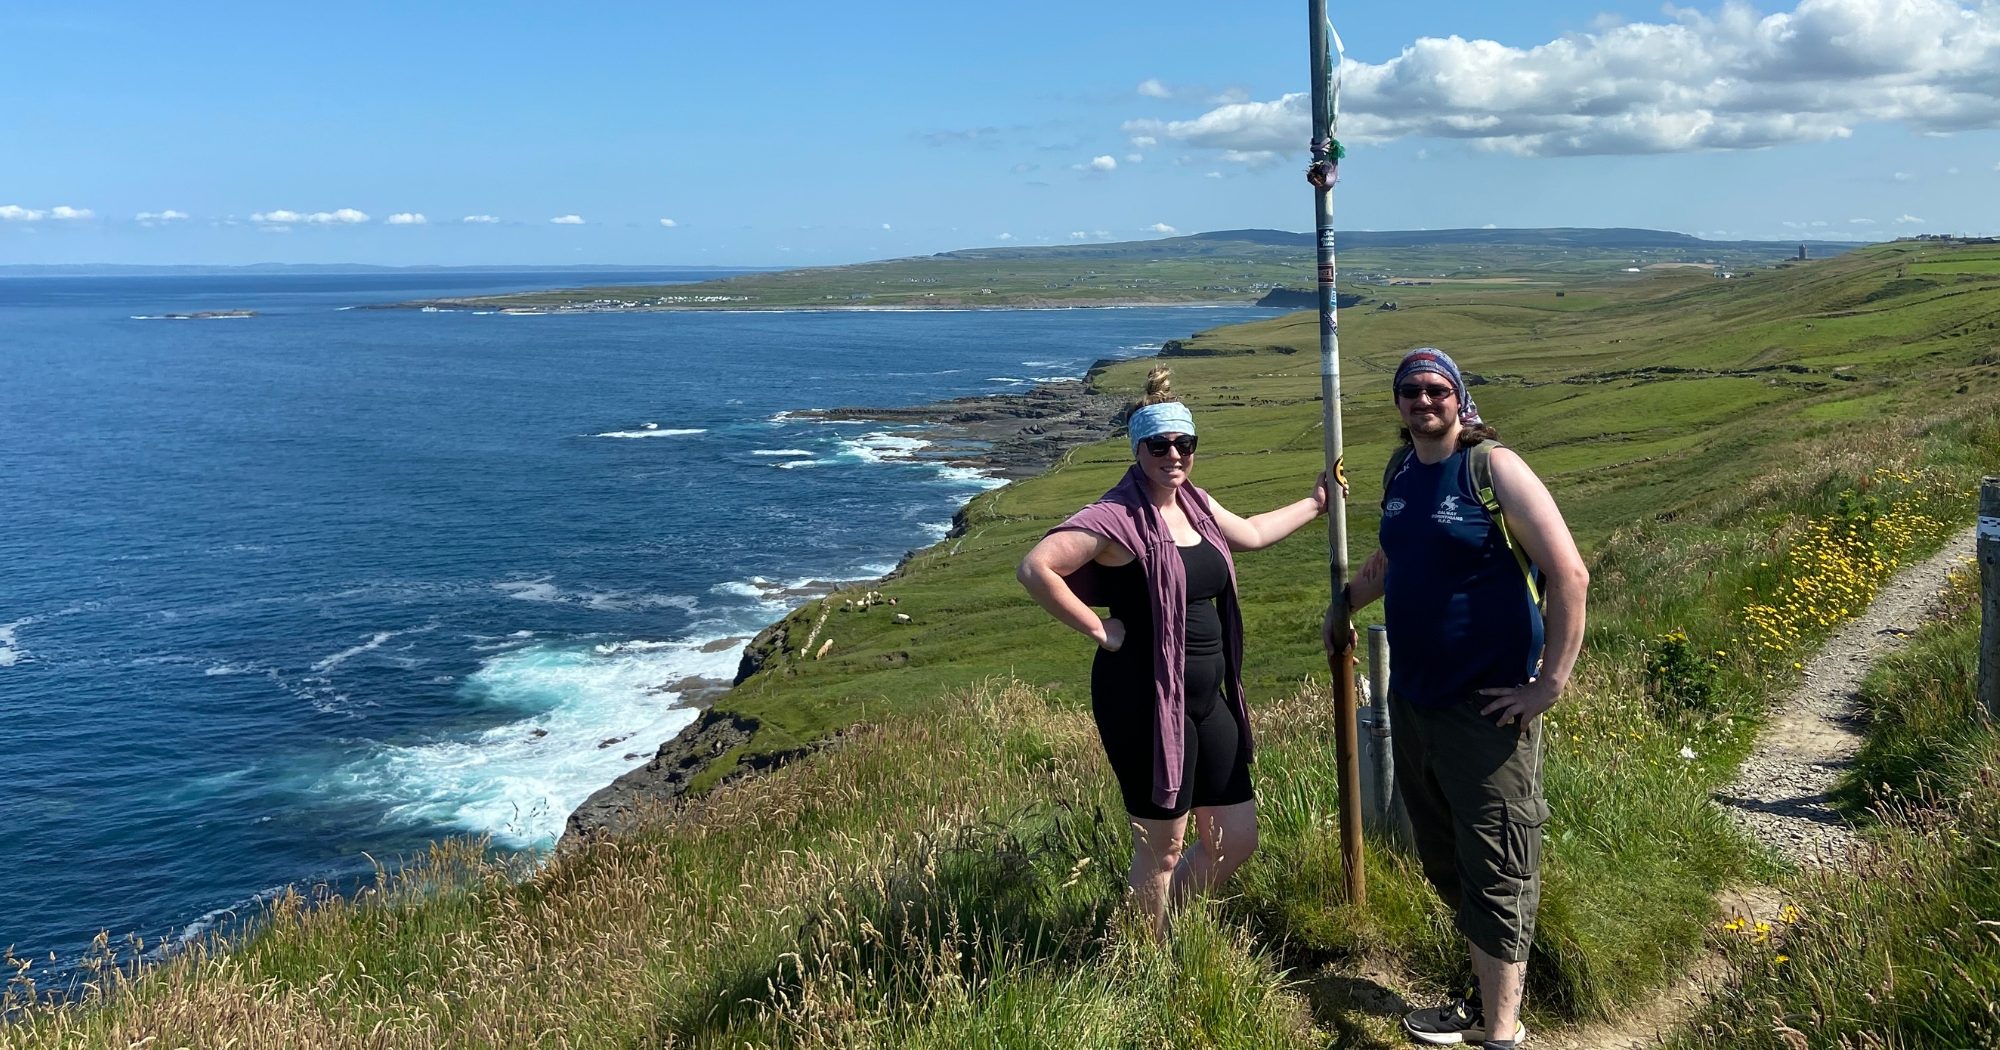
(1393, 508)
(1447, 512)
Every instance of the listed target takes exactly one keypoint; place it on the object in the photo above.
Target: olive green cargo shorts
(1473, 790)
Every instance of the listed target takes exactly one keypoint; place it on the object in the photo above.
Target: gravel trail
(1781, 792)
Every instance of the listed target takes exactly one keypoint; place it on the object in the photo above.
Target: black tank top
(1207, 578)
(1131, 601)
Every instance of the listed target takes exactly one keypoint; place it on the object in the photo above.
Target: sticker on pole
(1989, 528)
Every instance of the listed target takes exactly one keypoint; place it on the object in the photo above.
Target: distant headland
(1232, 267)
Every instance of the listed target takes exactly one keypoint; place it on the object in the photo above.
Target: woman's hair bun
(1159, 386)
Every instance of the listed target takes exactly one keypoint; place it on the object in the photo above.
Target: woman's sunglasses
(1158, 446)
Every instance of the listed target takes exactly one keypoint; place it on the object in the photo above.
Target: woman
(1166, 689)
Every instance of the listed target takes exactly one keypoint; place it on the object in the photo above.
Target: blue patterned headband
(1438, 363)
(1163, 418)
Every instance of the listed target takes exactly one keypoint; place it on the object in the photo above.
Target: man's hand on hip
(1521, 703)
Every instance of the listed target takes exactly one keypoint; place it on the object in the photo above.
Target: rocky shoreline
(1010, 436)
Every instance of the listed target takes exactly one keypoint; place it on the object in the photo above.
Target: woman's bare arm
(1056, 556)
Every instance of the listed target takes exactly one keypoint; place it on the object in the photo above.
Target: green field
(1233, 266)
(1743, 461)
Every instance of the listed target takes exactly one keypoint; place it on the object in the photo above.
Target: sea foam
(11, 652)
(659, 433)
(577, 711)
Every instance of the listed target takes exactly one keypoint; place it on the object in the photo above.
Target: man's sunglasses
(1158, 446)
(1411, 391)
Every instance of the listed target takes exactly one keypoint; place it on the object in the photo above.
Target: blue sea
(286, 593)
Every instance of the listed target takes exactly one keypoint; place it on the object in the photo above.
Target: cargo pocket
(1522, 856)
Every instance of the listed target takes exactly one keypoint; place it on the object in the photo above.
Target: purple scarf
(1125, 515)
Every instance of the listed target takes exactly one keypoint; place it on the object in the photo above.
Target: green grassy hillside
(1226, 266)
(1635, 401)
(1744, 462)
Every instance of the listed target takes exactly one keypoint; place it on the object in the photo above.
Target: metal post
(1989, 591)
(1322, 174)
(1385, 815)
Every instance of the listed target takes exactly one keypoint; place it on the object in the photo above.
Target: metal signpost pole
(1326, 49)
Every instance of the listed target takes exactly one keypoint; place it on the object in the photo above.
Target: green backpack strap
(1482, 483)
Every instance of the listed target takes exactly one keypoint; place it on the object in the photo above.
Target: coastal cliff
(1004, 435)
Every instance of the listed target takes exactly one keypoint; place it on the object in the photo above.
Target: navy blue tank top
(1459, 614)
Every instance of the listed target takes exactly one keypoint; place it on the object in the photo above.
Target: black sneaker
(1457, 1021)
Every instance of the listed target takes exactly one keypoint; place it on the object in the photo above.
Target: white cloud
(1229, 96)
(155, 218)
(408, 218)
(1152, 88)
(286, 217)
(483, 220)
(1253, 158)
(1004, 237)
(1135, 158)
(1902, 176)
(1079, 235)
(1696, 81)
(1490, 226)
(1144, 141)
(1106, 162)
(886, 226)
(1213, 175)
(568, 220)
(1909, 220)
(1862, 222)
(670, 224)
(64, 211)
(16, 213)
(280, 228)
(1161, 227)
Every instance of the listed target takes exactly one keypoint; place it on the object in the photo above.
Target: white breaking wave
(11, 652)
(780, 452)
(650, 433)
(880, 447)
(794, 464)
(970, 476)
(580, 712)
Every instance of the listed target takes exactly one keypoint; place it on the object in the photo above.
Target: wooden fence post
(1989, 592)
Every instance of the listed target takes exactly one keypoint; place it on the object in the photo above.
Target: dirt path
(1781, 792)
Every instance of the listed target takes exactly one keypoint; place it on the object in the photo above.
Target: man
(1475, 663)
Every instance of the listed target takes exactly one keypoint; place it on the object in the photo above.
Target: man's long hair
(1469, 434)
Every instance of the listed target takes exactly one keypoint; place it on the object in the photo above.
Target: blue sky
(801, 134)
